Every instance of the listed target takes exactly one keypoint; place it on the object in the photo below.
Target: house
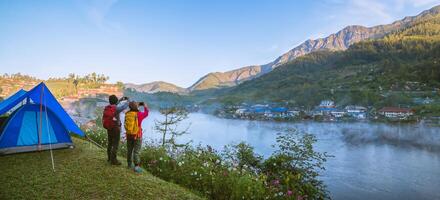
(241, 111)
(355, 109)
(327, 104)
(260, 109)
(323, 111)
(293, 113)
(358, 112)
(279, 111)
(337, 113)
(395, 112)
(426, 100)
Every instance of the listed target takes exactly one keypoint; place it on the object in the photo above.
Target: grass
(80, 173)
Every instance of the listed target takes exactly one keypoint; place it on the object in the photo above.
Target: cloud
(97, 10)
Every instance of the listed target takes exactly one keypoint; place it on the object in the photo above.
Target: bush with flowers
(291, 172)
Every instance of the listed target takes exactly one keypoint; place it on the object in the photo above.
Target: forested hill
(340, 40)
(367, 73)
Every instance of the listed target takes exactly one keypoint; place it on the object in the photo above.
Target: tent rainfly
(38, 122)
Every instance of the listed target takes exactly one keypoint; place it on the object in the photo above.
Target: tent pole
(50, 140)
(95, 143)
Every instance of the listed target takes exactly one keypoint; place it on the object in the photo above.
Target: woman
(133, 131)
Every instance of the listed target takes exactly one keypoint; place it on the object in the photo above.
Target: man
(112, 123)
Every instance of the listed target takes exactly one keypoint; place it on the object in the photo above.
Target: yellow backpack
(131, 123)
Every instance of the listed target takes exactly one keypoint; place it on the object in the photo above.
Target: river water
(371, 161)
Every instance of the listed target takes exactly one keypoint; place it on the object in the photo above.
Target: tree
(71, 77)
(120, 85)
(75, 83)
(169, 127)
(296, 161)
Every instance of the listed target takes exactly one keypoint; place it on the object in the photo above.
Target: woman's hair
(113, 100)
(133, 106)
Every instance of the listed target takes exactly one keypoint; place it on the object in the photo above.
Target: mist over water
(417, 136)
(371, 160)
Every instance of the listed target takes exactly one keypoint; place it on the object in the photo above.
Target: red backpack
(108, 116)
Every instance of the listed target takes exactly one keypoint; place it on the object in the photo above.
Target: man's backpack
(131, 123)
(108, 117)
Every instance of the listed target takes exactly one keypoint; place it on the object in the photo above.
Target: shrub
(238, 173)
(98, 135)
(294, 168)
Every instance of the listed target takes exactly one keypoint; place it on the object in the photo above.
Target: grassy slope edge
(81, 173)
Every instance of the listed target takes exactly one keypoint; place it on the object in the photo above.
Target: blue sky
(177, 41)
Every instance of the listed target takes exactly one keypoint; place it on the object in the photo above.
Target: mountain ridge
(156, 86)
(340, 40)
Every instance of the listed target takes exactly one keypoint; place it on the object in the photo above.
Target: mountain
(228, 79)
(156, 86)
(388, 70)
(334, 42)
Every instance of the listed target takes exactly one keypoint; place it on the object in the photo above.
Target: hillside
(75, 87)
(81, 173)
(368, 73)
(227, 79)
(334, 42)
(157, 86)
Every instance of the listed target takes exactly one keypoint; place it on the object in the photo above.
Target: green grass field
(80, 173)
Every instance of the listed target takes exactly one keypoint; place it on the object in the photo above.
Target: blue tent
(38, 122)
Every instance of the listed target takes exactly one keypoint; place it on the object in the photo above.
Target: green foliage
(98, 135)
(242, 155)
(239, 173)
(295, 166)
(428, 110)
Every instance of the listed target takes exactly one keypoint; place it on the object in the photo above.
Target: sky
(176, 41)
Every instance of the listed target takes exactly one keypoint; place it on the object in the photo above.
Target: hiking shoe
(138, 169)
(116, 162)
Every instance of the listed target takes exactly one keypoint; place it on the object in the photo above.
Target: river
(371, 161)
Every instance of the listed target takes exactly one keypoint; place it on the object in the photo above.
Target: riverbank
(80, 173)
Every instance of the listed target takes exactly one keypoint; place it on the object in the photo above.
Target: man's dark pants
(114, 135)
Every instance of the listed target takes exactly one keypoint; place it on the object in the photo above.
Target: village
(327, 110)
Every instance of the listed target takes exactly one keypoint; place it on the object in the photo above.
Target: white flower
(160, 158)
